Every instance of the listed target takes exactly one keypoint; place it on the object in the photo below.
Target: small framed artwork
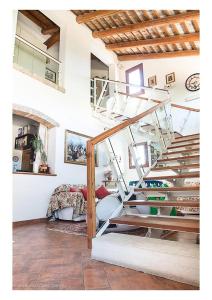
(75, 148)
(170, 78)
(50, 75)
(152, 81)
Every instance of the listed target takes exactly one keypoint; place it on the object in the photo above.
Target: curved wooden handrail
(91, 208)
(106, 134)
(158, 101)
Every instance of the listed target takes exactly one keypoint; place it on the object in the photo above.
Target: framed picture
(152, 81)
(142, 150)
(50, 75)
(75, 148)
(170, 78)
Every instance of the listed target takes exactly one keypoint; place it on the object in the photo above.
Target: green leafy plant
(37, 146)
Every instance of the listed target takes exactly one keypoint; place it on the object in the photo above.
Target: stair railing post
(94, 93)
(91, 205)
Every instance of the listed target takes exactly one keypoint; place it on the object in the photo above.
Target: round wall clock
(193, 82)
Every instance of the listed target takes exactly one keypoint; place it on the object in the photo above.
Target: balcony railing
(35, 61)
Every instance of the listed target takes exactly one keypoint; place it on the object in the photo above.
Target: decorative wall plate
(193, 82)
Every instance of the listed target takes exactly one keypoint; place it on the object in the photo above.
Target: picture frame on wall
(152, 81)
(170, 78)
(75, 148)
(50, 75)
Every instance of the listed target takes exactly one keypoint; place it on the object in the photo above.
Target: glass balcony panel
(35, 62)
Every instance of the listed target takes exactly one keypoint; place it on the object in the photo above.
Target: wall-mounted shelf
(31, 173)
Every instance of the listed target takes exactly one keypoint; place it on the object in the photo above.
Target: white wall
(70, 109)
(182, 67)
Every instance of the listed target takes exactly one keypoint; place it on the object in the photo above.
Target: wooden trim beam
(27, 14)
(181, 152)
(190, 37)
(168, 189)
(52, 40)
(50, 30)
(146, 24)
(180, 167)
(171, 177)
(94, 15)
(164, 223)
(170, 54)
(172, 203)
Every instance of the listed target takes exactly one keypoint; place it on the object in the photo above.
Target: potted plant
(44, 166)
(37, 146)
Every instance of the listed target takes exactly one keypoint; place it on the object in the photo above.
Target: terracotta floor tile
(47, 260)
(95, 279)
(72, 284)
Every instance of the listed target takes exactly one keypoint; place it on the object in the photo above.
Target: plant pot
(35, 167)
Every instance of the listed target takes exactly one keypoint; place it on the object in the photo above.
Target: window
(141, 151)
(135, 76)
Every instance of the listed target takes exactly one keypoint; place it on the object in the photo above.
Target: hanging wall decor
(152, 81)
(75, 148)
(170, 78)
(193, 82)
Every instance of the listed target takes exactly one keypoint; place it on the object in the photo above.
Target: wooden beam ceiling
(47, 26)
(87, 17)
(151, 42)
(146, 24)
(170, 54)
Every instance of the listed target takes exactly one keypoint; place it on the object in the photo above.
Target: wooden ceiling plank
(156, 15)
(95, 15)
(151, 23)
(158, 55)
(52, 40)
(151, 42)
(28, 14)
(174, 29)
(186, 30)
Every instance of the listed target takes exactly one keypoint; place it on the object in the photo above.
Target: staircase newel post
(91, 208)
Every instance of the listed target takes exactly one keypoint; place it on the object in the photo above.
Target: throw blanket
(62, 198)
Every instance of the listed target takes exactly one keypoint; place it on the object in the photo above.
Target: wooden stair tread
(185, 175)
(186, 136)
(180, 167)
(168, 189)
(181, 152)
(163, 203)
(183, 146)
(182, 141)
(165, 223)
(179, 158)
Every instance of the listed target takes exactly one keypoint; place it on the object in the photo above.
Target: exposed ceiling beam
(27, 14)
(52, 40)
(95, 14)
(158, 55)
(191, 37)
(150, 23)
(50, 30)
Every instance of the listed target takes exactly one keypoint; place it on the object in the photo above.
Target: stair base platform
(169, 259)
